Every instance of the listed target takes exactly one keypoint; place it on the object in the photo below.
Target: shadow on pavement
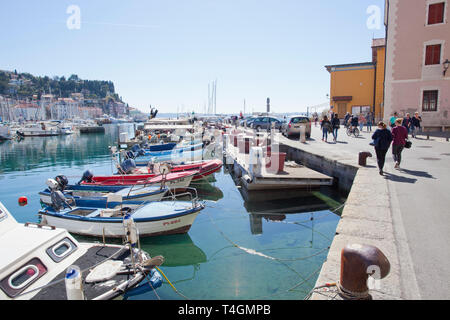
(396, 178)
(418, 173)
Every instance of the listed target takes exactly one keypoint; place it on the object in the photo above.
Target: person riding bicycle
(354, 123)
(346, 119)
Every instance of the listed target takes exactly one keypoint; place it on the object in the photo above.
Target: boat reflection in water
(179, 250)
(276, 205)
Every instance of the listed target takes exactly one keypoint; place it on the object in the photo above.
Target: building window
(433, 55)
(430, 100)
(436, 13)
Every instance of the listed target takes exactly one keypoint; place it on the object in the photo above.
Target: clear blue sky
(166, 52)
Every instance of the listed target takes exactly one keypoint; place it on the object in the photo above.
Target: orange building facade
(359, 87)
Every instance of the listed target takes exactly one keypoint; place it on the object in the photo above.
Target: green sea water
(258, 246)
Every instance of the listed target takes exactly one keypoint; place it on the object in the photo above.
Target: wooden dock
(294, 176)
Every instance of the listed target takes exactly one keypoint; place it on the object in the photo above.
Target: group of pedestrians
(397, 135)
(360, 121)
(412, 124)
(383, 138)
(330, 126)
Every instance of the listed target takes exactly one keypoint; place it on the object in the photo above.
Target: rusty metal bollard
(358, 262)
(363, 158)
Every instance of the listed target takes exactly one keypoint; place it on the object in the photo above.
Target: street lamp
(446, 66)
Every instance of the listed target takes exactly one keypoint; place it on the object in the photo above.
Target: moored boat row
(136, 201)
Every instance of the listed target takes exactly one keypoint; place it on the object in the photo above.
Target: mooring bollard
(363, 158)
(358, 262)
(302, 134)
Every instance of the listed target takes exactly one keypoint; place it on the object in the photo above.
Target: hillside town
(16, 107)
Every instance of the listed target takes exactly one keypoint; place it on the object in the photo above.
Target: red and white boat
(202, 168)
(173, 180)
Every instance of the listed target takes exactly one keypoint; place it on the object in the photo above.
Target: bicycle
(353, 131)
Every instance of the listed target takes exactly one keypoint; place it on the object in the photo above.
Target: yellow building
(359, 87)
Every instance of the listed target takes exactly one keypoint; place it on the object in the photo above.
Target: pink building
(417, 54)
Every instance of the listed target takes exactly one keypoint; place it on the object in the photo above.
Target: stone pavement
(405, 214)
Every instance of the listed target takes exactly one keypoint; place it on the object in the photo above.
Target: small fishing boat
(207, 152)
(100, 219)
(146, 153)
(165, 146)
(101, 193)
(47, 263)
(204, 168)
(176, 180)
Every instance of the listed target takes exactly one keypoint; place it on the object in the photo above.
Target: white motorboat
(94, 218)
(38, 130)
(46, 263)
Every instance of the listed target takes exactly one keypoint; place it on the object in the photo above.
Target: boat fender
(131, 231)
(74, 283)
(23, 201)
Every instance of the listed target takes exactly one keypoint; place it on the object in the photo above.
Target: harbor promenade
(404, 213)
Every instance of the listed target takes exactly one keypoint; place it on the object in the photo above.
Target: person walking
(369, 120)
(415, 124)
(326, 127)
(382, 141)
(399, 135)
(407, 122)
(362, 121)
(335, 124)
(393, 119)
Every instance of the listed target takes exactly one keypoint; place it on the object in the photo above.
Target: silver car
(293, 125)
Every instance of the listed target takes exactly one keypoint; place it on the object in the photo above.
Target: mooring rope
(254, 252)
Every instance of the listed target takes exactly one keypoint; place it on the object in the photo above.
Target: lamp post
(446, 66)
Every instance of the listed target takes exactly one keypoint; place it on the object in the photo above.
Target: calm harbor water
(241, 246)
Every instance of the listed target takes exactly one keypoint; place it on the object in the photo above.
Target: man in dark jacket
(415, 124)
(382, 139)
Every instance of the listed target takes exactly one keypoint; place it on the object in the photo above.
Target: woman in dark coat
(335, 124)
(326, 127)
(382, 139)
(400, 135)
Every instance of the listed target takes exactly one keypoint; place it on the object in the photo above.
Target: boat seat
(110, 213)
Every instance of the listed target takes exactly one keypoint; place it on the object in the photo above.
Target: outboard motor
(130, 155)
(62, 182)
(128, 166)
(59, 200)
(87, 177)
(135, 148)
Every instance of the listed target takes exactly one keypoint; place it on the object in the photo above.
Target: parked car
(265, 123)
(247, 120)
(292, 126)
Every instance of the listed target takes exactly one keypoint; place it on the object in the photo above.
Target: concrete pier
(293, 176)
(403, 213)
